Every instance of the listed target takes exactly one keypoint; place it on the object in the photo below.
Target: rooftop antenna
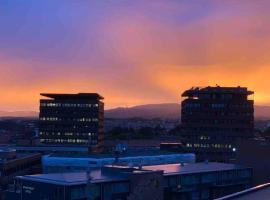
(140, 165)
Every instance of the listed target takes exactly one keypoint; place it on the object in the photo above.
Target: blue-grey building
(60, 162)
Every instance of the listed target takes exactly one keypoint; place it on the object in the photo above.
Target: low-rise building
(80, 162)
(13, 164)
(255, 153)
(51, 149)
(156, 182)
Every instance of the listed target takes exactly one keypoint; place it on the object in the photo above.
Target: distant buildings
(213, 118)
(138, 123)
(72, 120)
(200, 181)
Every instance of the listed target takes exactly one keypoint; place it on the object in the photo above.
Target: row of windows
(218, 146)
(217, 129)
(66, 126)
(216, 121)
(215, 96)
(220, 177)
(75, 141)
(216, 113)
(48, 118)
(67, 134)
(203, 137)
(80, 105)
(74, 119)
(217, 105)
(192, 105)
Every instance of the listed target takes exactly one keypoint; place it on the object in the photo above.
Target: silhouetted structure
(259, 192)
(255, 153)
(13, 164)
(72, 119)
(213, 118)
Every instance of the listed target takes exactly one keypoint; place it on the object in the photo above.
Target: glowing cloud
(132, 52)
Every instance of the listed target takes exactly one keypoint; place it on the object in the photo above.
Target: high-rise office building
(213, 118)
(72, 120)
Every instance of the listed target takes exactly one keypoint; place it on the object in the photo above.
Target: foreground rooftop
(190, 168)
(261, 192)
(129, 153)
(120, 173)
(73, 178)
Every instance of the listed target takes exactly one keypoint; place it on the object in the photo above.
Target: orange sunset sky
(131, 52)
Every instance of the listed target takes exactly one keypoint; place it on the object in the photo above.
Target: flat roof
(82, 152)
(261, 192)
(19, 156)
(72, 96)
(217, 89)
(24, 155)
(129, 153)
(97, 176)
(75, 178)
(189, 168)
(52, 148)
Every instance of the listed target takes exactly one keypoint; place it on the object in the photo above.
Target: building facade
(72, 119)
(254, 153)
(197, 181)
(213, 118)
(13, 164)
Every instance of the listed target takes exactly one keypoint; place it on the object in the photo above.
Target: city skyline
(131, 52)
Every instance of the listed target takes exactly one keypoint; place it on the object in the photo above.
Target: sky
(131, 52)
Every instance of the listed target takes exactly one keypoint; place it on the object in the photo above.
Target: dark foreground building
(213, 118)
(72, 120)
(260, 192)
(157, 182)
(255, 154)
(13, 164)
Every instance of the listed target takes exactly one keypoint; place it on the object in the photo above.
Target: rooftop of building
(128, 153)
(261, 192)
(141, 142)
(12, 156)
(72, 96)
(216, 89)
(191, 168)
(120, 173)
(44, 148)
(76, 178)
